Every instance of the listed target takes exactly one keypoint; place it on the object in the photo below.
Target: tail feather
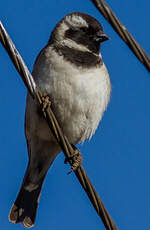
(25, 207)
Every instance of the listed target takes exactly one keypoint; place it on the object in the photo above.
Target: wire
(105, 10)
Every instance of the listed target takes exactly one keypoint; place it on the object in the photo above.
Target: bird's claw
(75, 160)
(45, 102)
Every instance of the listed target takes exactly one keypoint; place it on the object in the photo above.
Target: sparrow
(70, 70)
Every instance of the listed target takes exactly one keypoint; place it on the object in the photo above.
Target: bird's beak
(101, 37)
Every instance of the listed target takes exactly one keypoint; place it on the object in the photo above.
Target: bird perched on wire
(69, 70)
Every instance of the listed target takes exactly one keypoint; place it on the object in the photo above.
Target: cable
(105, 10)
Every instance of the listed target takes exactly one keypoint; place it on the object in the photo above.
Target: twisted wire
(122, 32)
(55, 128)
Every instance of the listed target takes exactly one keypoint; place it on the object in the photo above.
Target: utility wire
(105, 10)
(67, 148)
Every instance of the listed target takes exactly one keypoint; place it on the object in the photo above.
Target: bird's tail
(25, 207)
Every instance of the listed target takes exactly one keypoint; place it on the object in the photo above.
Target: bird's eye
(70, 33)
(84, 29)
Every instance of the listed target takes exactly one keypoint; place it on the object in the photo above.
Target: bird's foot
(45, 102)
(75, 159)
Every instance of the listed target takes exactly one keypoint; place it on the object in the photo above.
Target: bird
(71, 72)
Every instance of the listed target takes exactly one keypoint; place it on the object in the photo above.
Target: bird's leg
(45, 102)
(75, 159)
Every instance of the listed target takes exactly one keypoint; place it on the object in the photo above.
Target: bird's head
(79, 31)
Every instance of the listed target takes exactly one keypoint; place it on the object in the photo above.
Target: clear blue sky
(117, 159)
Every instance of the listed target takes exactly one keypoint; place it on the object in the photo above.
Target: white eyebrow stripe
(75, 20)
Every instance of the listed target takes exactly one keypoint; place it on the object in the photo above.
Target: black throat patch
(79, 58)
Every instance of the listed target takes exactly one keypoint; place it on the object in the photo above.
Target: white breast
(79, 96)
